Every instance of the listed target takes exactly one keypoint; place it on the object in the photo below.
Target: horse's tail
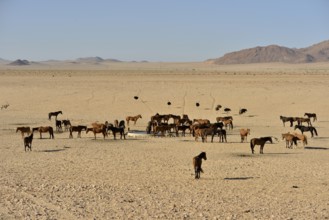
(316, 133)
(252, 145)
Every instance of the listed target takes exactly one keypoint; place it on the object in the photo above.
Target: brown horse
(244, 133)
(23, 130)
(132, 118)
(287, 119)
(290, 140)
(301, 137)
(78, 129)
(259, 141)
(98, 129)
(28, 142)
(50, 114)
(197, 162)
(218, 119)
(301, 120)
(46, 129)
(228, 123)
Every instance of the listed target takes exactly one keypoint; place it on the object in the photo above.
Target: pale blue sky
(155, 30)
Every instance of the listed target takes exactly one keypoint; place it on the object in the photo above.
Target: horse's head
(60, 112)
(203, 155)
(140, 116)
(17, 129)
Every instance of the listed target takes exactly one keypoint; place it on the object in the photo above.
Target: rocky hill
(274, 53)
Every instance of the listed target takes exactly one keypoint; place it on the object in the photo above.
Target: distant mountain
(90, 59)
(274, 53)
(95, 60)
(19, 63)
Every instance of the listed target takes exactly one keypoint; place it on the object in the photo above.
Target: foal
(28, 142)
(197, 162)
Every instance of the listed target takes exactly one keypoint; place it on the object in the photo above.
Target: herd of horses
(159, 126)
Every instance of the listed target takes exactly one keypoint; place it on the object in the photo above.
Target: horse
(24, 130)
(221, 134)
(242, 111)
(305, 129)
(41, 130)
(311, 115)
(132, 118)
(50, 114)
(287, 119)
(28, 142)
(67, 124)
(197, 162)
(201, 121)
(244, 133)
(98, 129)
(161, 128)
(259, 141)
(290, 139)
(182, 128)
(115, 130)
(219, 119)
(228, 123)
(58, 126)
(301, 137)
(301, 120)
(78, 129)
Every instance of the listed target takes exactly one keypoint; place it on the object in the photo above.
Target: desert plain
(152, 177)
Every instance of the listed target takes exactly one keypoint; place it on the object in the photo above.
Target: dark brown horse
(28, 142)
(259, 141)
(115, 130)
(305, 129)
(78, 129)
(50, 114)
(311, 115)
(197, 162)
(46, 129)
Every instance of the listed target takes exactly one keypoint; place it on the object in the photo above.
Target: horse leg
(261, 149)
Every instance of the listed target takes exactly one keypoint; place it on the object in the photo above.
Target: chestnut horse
(133, 118)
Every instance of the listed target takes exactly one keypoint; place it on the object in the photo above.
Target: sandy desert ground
(153, 177)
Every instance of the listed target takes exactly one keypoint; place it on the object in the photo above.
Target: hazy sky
(155, 30)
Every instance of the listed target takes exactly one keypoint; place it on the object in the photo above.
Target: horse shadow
(316, 148)
(52, 150)
(239, 178)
